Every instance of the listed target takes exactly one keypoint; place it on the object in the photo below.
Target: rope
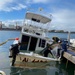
(6, 41)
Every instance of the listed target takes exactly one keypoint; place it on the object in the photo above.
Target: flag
(40, 9)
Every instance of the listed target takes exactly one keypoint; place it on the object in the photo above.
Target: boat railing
(37, 25)
(33, 31)
(32, 27)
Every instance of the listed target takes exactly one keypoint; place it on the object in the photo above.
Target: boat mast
(68, 38)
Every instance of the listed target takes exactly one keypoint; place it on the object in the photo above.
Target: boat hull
(23, 59)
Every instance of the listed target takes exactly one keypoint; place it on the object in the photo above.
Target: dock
(70, 55)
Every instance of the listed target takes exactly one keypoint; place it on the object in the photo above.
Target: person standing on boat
(15, 50)
(59, 48)
(47, 51)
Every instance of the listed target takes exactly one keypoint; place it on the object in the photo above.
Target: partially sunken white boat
(34, 39)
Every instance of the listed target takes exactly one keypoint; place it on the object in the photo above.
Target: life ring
(2, 73)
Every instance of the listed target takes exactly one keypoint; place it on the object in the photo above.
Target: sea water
(51, 68)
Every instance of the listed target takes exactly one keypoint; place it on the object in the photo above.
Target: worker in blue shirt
(64, 46)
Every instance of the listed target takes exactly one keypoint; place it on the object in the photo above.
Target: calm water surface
(52, 68)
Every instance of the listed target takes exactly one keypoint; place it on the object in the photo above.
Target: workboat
(34, 38)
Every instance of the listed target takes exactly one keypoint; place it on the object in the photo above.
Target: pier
(70, 55)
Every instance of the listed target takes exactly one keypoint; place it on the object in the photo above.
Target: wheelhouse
(31, 43)
(33, 37)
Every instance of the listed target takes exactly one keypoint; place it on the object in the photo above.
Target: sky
(62, 11)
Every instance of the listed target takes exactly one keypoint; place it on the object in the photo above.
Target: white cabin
(32, 35)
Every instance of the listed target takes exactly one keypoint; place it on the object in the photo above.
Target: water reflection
(52, 68)
(27, 71)
(63, 70)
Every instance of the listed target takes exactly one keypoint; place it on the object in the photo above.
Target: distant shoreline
(61, 32)
(20, 30)
(10, 29)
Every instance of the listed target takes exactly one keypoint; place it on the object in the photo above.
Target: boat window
(42, 43)
(33, 44)
(24, 41)
(25, 30)
(33, 19)
(37, 33)
(38, 20)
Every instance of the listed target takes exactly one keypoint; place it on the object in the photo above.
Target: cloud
(17, 7)
(9, 5)
(13, 22)
(41, 1)
(37, 1)
(63, 13)
(64, 19)
(4, 3)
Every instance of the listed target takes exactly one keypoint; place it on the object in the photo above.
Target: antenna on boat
(68, 38)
